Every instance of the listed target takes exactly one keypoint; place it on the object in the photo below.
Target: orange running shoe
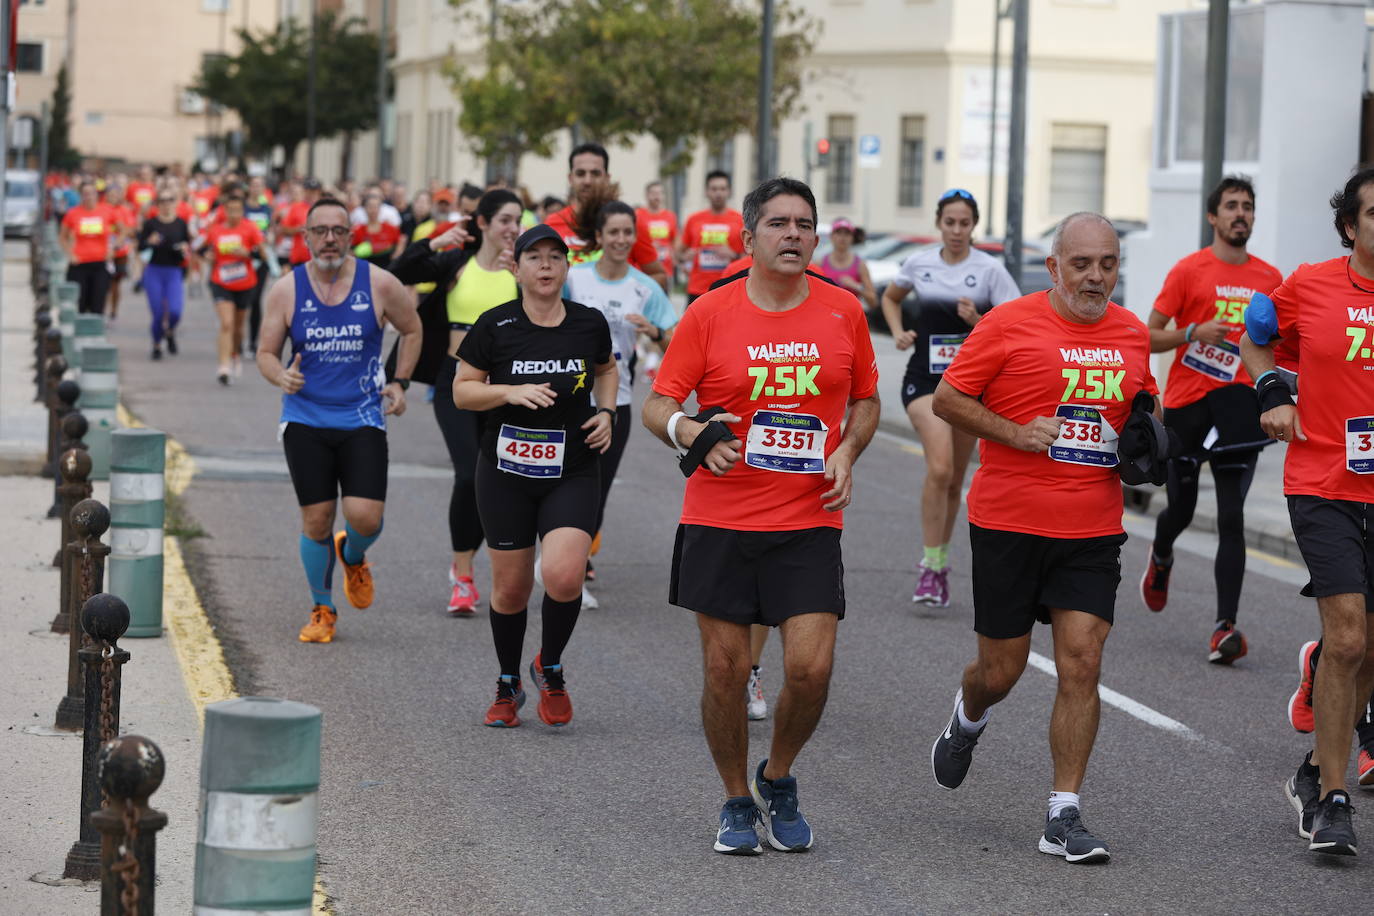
(1364, 766)
(357, 578)
(509, 698)
(321, 625)
(1300, 703)
(1227, 645)
(554, 706)
(1154, 584)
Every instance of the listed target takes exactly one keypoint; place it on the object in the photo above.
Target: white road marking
(1125, 703)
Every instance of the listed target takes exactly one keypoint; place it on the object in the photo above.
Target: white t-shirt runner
(939, 287)
(633, 294)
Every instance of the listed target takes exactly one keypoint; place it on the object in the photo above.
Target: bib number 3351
(792, 443)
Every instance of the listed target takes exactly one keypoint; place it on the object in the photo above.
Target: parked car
(22, 202)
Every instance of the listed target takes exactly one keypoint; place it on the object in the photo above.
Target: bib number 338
(1085, 437)
(792, 443)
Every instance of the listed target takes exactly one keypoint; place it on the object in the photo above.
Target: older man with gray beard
(1046, 382)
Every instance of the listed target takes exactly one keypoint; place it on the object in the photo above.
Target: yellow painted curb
(198, 649)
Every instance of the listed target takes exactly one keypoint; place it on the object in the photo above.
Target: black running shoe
(1303, 790)
(952, 753)
(171, 343)
(1066, 836)
(1332, 831)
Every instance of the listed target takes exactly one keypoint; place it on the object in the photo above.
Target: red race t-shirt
(790, 376)
(1025, 361)
(382, 241)
(662, 227)
(139, 195)
(295, 217)
(1331, 325)
(737, 265)
(124, 219)
(705, 229)
(562, 222)
(1199, 288)
(232, 248)
(204, 199)
(91, 230)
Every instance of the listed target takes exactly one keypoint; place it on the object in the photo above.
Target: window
(911, 161)
(31, 2)
(839, 177)
(1078, 167)
(721, 158)
(1182, 103)
(214, 6)
(28, 57)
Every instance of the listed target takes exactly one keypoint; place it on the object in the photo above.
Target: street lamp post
(765, 128)
(310, 98)
(1016, 148)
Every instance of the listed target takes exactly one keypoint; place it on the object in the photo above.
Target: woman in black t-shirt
(164, 243)
(536, 364)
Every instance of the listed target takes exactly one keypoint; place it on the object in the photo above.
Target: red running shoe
(1154, 584)
(1364, 766)
(509, 698)
(554, 706)
(1228, 644)
(463, 601)
(1300, 703)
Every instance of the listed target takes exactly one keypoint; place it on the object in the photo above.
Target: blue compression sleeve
(318, 559)
(1261, 319)
(355, 544)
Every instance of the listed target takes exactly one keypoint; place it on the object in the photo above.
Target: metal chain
(107, 719)
(127, 867)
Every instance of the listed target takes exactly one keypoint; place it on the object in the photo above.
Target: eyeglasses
(955, 192)
(339, 232)
(166, 200)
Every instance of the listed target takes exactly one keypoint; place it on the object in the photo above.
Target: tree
(61, 156)
(675, 69)
(265, 83)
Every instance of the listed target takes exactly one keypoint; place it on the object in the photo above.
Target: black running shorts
(918, 381)
(242, 298)
(757, 576)
(1018, 578)
(325, 462)
(516, 511)
(1336, 544)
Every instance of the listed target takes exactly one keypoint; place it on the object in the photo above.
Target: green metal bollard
(137, 460)
(66, 319)
(259, 790)
(87, 330)
(99, 395)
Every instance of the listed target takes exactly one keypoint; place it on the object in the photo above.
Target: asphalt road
(426, 811)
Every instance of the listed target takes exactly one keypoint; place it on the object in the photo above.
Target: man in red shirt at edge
(660, 222)
(1326, 311)
(711, 237)
(1046, 381)
(783, 355)
(292, 222)
(589, 178)
(1205, 296)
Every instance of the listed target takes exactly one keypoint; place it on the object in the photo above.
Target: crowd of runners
(531, 322)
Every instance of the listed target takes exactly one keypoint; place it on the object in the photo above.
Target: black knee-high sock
(559, 619)
(508, 633)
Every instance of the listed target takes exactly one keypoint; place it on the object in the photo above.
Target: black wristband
(715, 431)
(1273, 392)
(403, 382)
(608, 410)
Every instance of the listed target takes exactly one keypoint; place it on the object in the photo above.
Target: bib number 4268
(783, 381)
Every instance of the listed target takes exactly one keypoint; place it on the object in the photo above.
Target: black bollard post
(104, 618)
(131, 769)
(86, 560)
(42, 321)
(55, 367)
(76, 468)
(73, 431)
(49, 346)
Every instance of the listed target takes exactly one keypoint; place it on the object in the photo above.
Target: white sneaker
(589, 602)
(758, 706)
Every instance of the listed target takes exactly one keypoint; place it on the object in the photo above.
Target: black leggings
(1232, 483)
(610, 461)
(462, 431)
(93, 279)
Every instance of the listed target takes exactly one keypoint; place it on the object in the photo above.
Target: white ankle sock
(968, 724)
(1061, 800)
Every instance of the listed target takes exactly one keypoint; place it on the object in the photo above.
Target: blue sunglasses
(956, 192)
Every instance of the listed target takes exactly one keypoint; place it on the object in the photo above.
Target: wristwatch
(608, 410)
(403, 382)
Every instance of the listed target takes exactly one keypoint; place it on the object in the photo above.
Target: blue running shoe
(737, 836)
(783, 824)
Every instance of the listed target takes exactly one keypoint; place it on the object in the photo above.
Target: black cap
(538, 234)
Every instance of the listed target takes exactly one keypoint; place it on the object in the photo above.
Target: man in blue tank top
(334, 309)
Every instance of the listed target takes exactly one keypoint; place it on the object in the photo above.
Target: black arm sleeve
(419, 264)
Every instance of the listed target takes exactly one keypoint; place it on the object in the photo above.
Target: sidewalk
(1266, 511)
(43, 770)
